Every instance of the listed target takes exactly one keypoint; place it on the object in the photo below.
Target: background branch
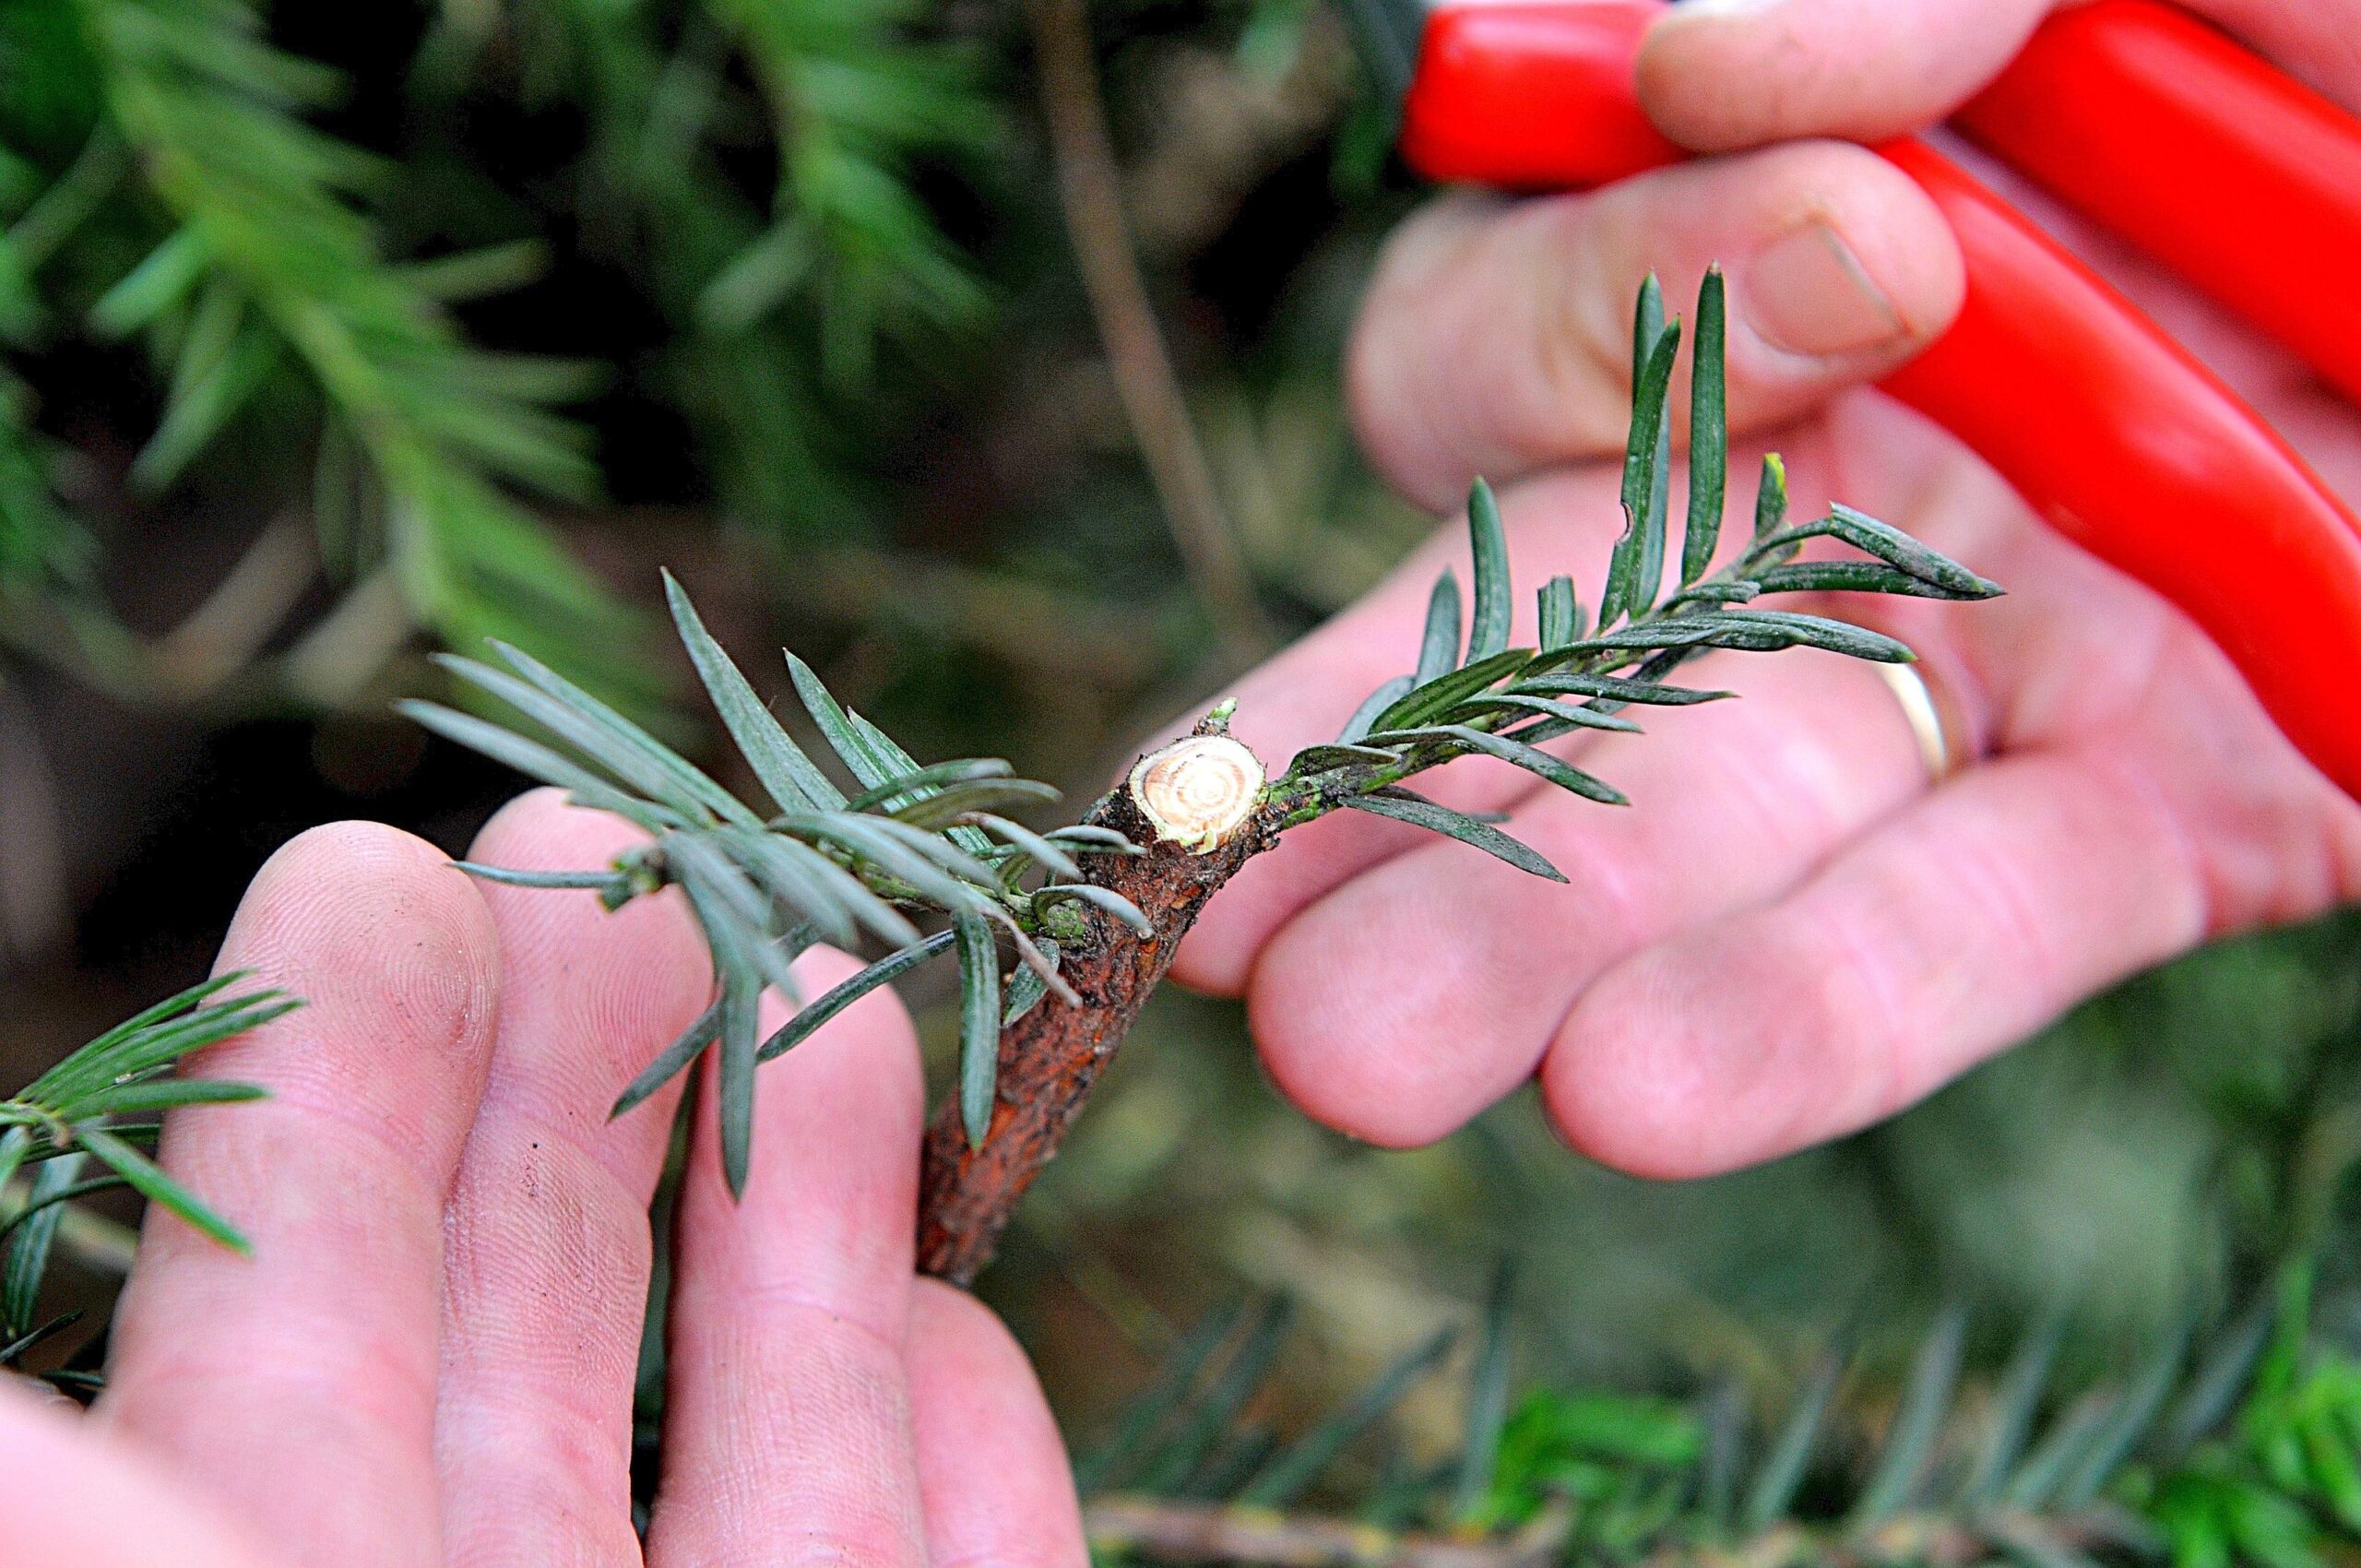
(217, 646)
(1090, 193)
(1214, 1532)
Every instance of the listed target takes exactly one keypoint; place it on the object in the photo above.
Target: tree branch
(1051, 1057)
(1090, 192)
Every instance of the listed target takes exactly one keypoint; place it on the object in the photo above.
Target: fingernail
(1807, 293)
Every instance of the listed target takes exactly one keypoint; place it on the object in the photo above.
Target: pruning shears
(2239, 178)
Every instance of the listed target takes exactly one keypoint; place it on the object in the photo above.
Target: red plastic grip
(2238, 177)
(2132, 449)
(1532, 97)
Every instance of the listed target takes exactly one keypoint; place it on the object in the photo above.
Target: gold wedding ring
(1919, 709)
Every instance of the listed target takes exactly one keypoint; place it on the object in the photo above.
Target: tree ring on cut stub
(1197, 791)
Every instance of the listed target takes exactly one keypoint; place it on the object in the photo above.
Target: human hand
(429, 1358)
(1796, 931)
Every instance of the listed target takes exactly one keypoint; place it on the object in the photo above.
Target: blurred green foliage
(2237, 1440)
(776, 267)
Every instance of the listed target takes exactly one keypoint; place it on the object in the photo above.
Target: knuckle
(1582, 354)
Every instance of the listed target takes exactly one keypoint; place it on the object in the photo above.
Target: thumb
(1497, 338)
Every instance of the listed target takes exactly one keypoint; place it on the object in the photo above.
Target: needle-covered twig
(1062, 935)
(101, 1104)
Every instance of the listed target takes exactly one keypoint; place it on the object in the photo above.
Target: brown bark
(1050, 1057)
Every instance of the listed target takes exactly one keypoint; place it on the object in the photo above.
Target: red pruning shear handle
(2239, 179)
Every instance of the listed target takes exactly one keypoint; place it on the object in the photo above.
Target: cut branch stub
(1052, 1056)
(1199, 791)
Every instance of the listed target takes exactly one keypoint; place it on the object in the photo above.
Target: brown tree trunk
(1051, 1057)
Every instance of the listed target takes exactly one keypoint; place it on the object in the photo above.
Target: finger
(297, 1386)
(1416, 994)
(547, 1229)
(787, 1435)
(1729, 74)
(1717, 77)
(2002, 899)
(992, 1470)
(74, 1493)
(1498, 340)
(2145, 805)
